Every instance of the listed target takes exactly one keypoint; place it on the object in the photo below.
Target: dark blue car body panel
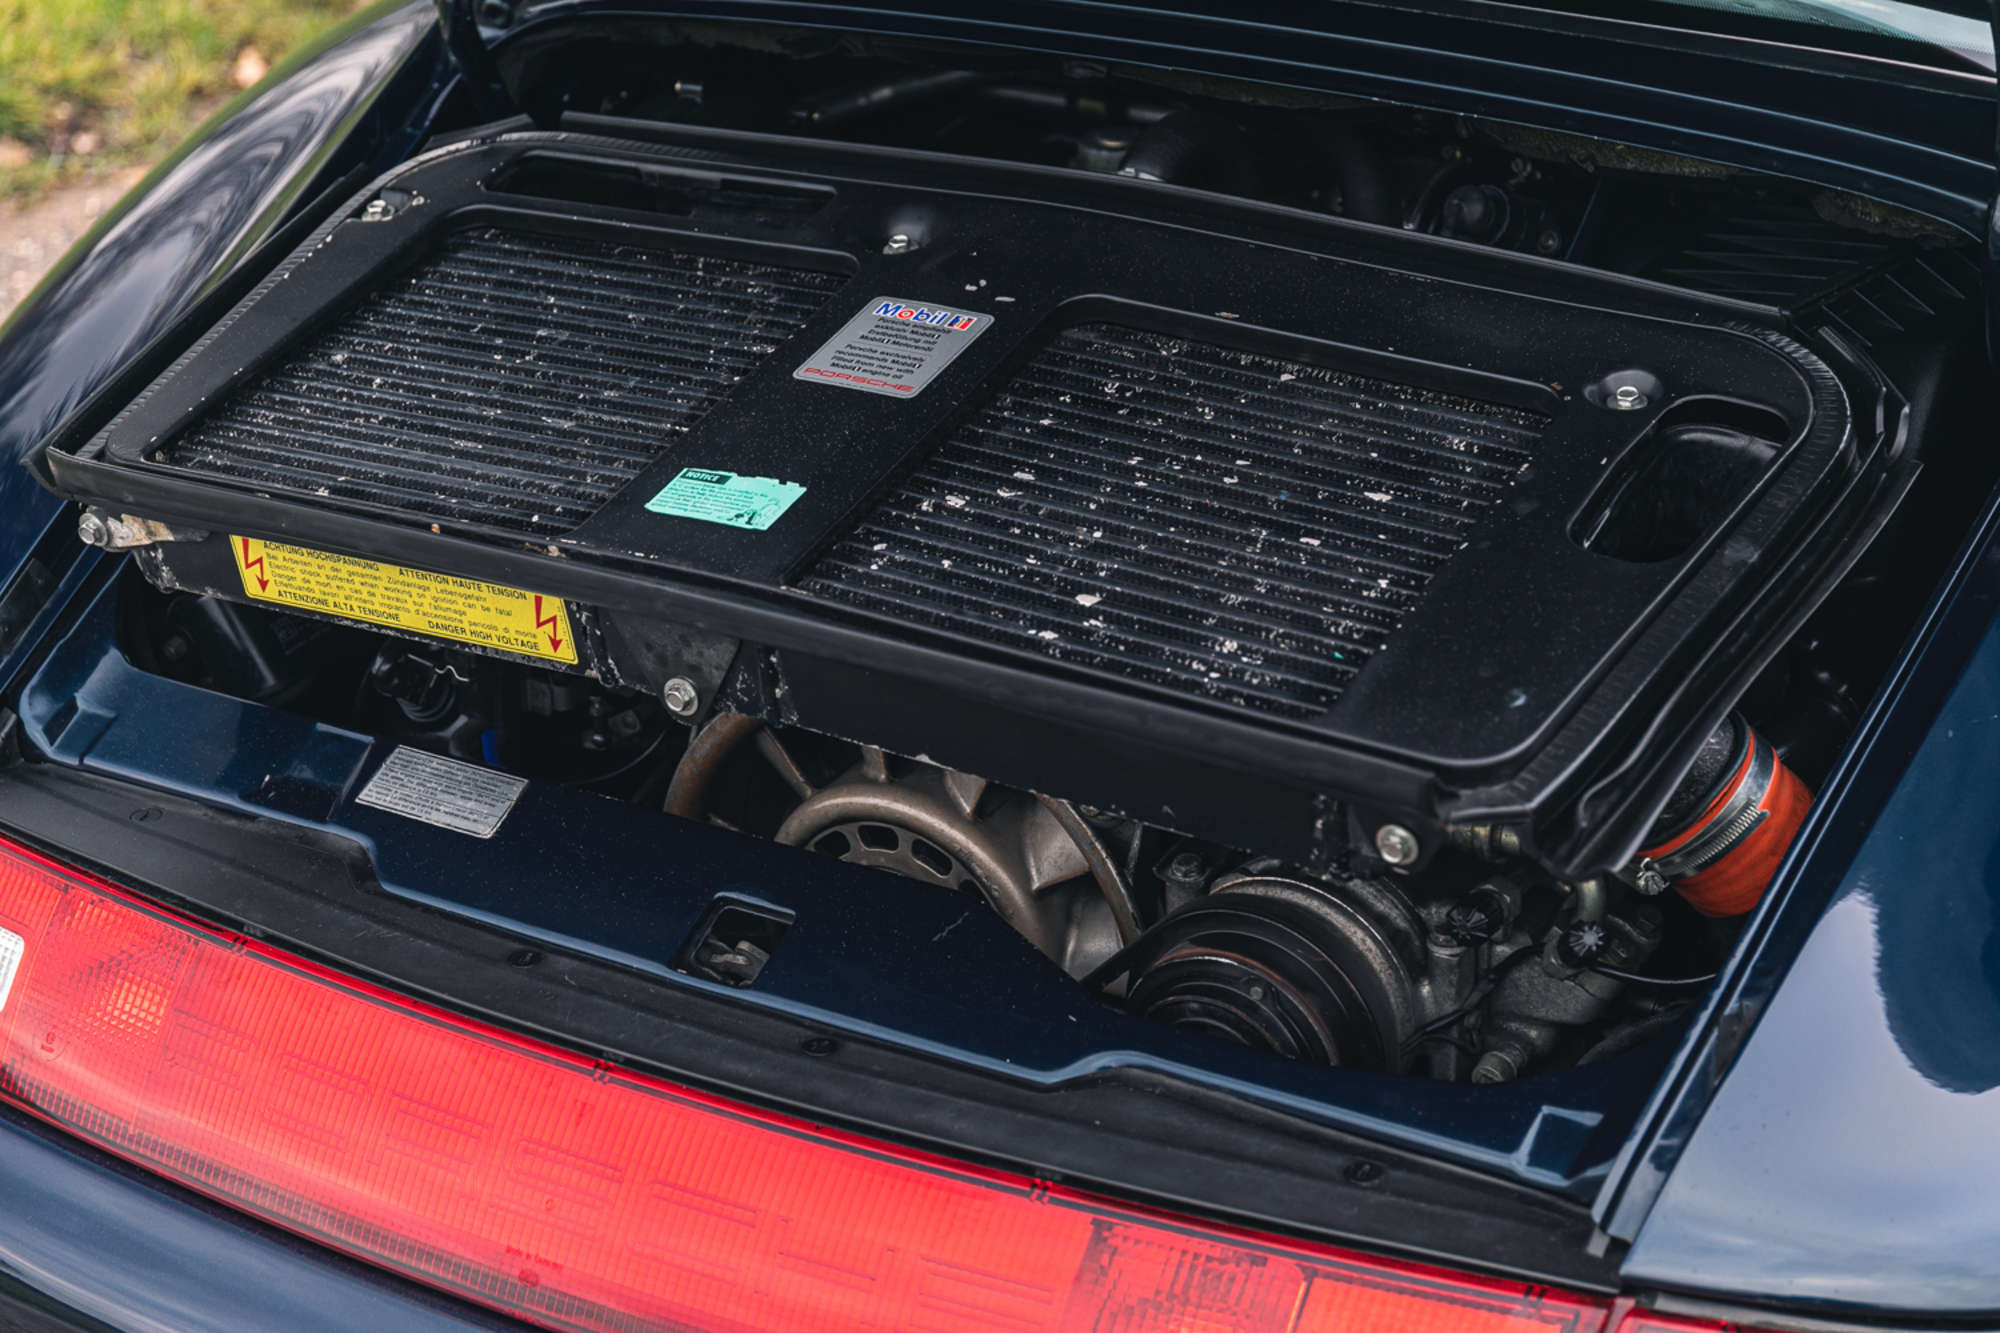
(1847, 1159)
(1838, 1158)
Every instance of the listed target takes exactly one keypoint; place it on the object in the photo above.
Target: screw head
(899, 244)
(680, 696)
(1397, 845)
(93, 530)
(377, 210)
(1627, 398)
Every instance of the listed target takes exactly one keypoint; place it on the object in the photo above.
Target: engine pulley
(1279, 965)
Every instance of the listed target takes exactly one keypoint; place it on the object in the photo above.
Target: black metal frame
(1426, 734)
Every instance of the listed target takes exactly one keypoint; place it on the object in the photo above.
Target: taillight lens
(578, 1195)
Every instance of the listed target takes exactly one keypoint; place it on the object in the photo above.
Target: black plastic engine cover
(1258, 524)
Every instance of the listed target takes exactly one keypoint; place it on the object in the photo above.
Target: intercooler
(1171, 511)
(1252, 523)
(514, 380)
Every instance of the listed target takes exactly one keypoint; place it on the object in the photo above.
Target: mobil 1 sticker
(893, 346)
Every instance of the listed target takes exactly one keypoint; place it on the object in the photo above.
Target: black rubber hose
(887, 96)
(1624, 1038)
(1640, 979)
(1365, 192)
(1193, 148)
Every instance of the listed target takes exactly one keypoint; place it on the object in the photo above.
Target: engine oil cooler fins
(1726, 828)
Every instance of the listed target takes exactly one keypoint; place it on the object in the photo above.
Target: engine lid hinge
(462, 23)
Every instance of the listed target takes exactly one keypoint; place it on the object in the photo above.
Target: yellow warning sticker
(489, 615)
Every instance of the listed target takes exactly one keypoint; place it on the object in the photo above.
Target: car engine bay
(1371, 587)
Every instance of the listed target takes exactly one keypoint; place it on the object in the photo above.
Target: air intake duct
(1728, 824)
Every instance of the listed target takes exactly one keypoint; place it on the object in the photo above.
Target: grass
(92, 85)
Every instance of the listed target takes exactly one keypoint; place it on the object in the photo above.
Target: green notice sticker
(724, 497)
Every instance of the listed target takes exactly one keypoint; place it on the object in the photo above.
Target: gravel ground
(33, 238)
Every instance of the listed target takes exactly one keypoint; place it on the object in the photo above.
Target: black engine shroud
(1252, 523)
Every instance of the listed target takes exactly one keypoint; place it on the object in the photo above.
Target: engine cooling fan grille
(1186, 514)
(514, 380)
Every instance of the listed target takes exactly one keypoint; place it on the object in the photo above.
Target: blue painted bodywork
(1842, 1162)
(1847, 1159)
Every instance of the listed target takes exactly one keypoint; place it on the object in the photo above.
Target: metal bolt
(1186, 870)
(93, 530)
(377, 210)
(1397, 845)
(1472, 920)
(1648, 879)
(899, 244)
(1627, 398)
(1501, 1066)
(680, 696)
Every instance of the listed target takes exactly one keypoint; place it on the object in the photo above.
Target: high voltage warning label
(489, 615)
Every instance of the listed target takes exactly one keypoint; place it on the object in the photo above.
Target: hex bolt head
(377, 210)
(92, 530)
(1397, 845)
(680, 696)
(899, 244)
(1627, 398)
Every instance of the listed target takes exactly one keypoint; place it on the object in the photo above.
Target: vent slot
(655, 189)
(514, 380)
(1241, 527)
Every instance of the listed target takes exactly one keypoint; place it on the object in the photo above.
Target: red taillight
(578, 1195)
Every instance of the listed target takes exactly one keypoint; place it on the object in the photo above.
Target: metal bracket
(458, 21)
(123, 532)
